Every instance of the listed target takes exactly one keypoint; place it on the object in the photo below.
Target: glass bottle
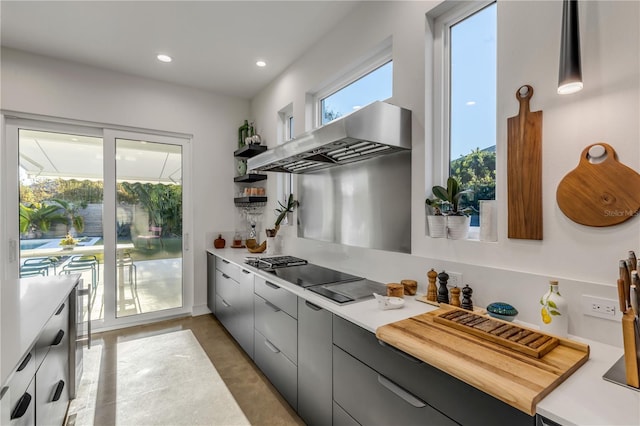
(554, 312)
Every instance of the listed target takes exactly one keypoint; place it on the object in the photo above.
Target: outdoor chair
(35, 266)
(125, 261)
(155, 233)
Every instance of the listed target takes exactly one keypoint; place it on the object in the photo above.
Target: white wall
(516, 271)
(40, 85)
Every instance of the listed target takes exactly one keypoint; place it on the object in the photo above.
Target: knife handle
(626, 277)
(621, 299)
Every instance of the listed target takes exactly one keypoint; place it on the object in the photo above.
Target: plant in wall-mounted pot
(447, 205)
(273, 244)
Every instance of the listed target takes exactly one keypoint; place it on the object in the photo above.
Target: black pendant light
(570, 75)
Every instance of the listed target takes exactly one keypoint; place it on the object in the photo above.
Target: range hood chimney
(374, 130)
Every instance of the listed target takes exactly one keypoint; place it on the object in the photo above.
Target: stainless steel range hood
(377, 129)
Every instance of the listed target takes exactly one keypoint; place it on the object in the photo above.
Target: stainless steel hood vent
(377, 129)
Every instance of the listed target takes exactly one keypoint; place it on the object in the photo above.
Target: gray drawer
(282, 373)
(52, 389)
(229, 289)
(238, 323)
(277, 296)
(20, 379)
(57, 326)
(277, 327)
(436, 387)
(230, 269)
(372, 399)
(22, 411)
(341, 417)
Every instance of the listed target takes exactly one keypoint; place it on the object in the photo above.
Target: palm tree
(70, 212)
(38, 217)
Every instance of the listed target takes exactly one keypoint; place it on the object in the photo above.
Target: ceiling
(214, 44)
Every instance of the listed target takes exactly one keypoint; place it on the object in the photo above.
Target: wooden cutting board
(524, 170)
(600, 193)
(510, 376)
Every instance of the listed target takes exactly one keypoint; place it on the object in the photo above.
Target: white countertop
(27, 305)
(583, 399)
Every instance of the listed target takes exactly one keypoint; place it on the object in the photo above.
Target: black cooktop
(310, 275)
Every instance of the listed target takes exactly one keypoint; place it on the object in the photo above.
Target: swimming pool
(54, 242)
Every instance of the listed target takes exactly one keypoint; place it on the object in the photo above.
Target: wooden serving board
(524, 171)
(503, 333)
(599, 194)
(510, 376)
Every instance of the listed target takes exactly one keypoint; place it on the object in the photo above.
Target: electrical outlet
(455, 279)
(600, 307)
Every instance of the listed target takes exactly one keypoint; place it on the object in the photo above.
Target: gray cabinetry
(276, 337)
(234, 302)
(373, 399)
(314, 363)
(211, 282)
(457, 400)
(38, 389)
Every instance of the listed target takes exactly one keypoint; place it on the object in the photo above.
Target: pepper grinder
(455, 296)
(466, 298)
(432, 290)
(443, 292)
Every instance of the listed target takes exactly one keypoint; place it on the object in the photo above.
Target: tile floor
(260, 402)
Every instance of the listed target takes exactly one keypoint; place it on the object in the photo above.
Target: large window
(468, 83)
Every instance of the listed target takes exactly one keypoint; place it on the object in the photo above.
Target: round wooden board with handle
(599, 191)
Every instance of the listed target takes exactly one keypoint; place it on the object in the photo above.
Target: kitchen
(582, 258)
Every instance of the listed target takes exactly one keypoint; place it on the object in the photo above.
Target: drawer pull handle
(400, 392)
(246, 272)
(22, 406)
(272, 285)
(58, 393)
(225, 276)
(225, 261)
(312, 306)
(25, 361)
(272, 306)
(399, 352)
(58, 338)
(60, 310)
(271, 347)
(224, 302)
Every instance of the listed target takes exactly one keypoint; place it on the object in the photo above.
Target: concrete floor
(258, 399)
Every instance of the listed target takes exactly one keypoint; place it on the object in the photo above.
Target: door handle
(225, 261)
(312, 306)
(58, 338)
(60, 310)
(25, 361)
(400, 392)
(271, 347)
(246, 272)
(272, 306)
(224, 302)
(58, 392)
(22, 406)
(272, 285)
(225, 276)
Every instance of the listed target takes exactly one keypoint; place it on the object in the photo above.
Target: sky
(473, 78)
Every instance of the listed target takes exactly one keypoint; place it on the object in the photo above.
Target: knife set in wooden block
(629, 297)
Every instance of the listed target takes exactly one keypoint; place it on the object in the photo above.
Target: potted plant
(68, 242)
(448, 204)
(273, 246)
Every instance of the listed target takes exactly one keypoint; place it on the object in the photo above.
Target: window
(467, 58)
(285, 133)
(375, 86)
(366, 81)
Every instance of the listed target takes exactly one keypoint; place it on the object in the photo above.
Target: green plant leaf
(441, 193)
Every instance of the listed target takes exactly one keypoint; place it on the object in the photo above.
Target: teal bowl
(502, 311)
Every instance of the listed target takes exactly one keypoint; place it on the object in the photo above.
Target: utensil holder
(631, 340)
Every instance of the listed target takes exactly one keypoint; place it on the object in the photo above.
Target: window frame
(442, 24)
(382, 55)
(284, 181)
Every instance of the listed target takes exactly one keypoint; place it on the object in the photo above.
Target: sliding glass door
(103, 203)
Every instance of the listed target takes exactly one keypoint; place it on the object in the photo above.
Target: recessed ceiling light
(261, 63)
(164, 58)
